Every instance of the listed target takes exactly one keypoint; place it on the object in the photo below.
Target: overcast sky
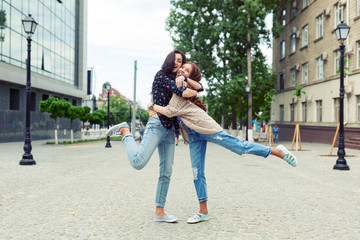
(120, 32)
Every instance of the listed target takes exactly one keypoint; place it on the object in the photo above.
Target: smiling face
(178, 62)
(185, 69)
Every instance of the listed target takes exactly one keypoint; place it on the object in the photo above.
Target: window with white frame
(358, 53)
(336, 109)
(305, 36)
(319, 26)
(339, 14)
(283, 49)
(319, 68)
(357, 7)
(292, 112)
(283, 17)
(293, 42)
(336, 62)
(358, 108)
(281, 113)
(305, 3)
(293, 75)
(319, 110)
(305, 72)
(304, 111)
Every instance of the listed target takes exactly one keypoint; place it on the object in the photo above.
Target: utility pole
(133, 119)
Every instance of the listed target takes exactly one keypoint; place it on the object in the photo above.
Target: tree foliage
(214, 33)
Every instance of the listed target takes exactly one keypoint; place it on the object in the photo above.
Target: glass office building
(58, 61)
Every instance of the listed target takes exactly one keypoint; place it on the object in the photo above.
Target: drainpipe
(346, 102)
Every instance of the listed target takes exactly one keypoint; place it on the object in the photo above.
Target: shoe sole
(201, 220)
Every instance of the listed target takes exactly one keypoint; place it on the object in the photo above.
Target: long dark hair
(169, 63)
(196, 76)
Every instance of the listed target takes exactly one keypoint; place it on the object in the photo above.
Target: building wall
(327, 87)
(58, 64)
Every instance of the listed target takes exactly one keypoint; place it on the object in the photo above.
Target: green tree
(215, 35)
(72, 113)
(85, 116)
(57, 108)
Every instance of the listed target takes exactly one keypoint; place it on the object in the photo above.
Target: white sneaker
(167, 218)
(114, 129)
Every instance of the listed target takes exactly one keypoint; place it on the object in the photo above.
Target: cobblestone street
(86, 191)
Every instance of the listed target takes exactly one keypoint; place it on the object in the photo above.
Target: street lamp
(29, 25)
(342, 32)
(108, 87)
(247, 89)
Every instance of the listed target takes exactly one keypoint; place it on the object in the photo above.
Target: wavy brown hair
(196, 76)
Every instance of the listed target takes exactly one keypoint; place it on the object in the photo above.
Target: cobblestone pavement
(86, 191)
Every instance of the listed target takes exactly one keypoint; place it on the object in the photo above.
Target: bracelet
(185, 80)
(152, 107)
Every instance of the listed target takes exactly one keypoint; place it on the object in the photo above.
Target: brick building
(307, 54)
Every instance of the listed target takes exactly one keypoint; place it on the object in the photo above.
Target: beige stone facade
(313, 63)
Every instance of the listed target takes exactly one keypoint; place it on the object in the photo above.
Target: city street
(87, 191)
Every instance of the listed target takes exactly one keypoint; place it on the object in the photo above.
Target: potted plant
(2, 19)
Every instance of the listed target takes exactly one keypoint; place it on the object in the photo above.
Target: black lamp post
(29, 25)
(108, 87)
(247, 89)
(342, 32)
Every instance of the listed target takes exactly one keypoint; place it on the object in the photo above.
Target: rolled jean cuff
(126, 136)
(268, 152)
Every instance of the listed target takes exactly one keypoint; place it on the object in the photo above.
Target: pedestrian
(141, 130)
(202, 128)
(276, 130)
(159, 131)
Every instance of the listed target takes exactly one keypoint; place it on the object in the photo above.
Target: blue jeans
(155, 135)
(276, 137)
(198, 142)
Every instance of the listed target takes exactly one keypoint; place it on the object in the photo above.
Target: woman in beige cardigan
(202, 128)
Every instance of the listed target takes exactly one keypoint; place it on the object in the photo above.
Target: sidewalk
(87, 191)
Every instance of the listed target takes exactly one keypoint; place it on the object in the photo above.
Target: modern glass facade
(53, 47)
(58, 65)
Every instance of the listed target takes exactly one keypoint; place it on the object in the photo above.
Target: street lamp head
(342, 31)
(247, 88)
(108, 86)
(29, 25)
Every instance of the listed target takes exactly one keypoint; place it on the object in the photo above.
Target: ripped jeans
(155, 136)
(198, 143)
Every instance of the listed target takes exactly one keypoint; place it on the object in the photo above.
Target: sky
(120, 32)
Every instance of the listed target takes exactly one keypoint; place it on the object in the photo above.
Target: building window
(282, 80)
(281, 113)
(358, 53)
(305, 3)
(293, 9)
(358, 108)
(305, 72)
(292, 112)
(336, 62)
(45, 97)
(283, 17)
(14, 99)
(282, 49)
(74, 103)
(293, 42)
(304, 111)
(357, 7)
(319, 68)
(336, 109)
(319, 110)
(33, 101)
(339, 14)
(293, 75)
(305, 36)
(320, 26)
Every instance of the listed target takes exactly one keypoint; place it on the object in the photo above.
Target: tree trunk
(56, 136)
(71, 131)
